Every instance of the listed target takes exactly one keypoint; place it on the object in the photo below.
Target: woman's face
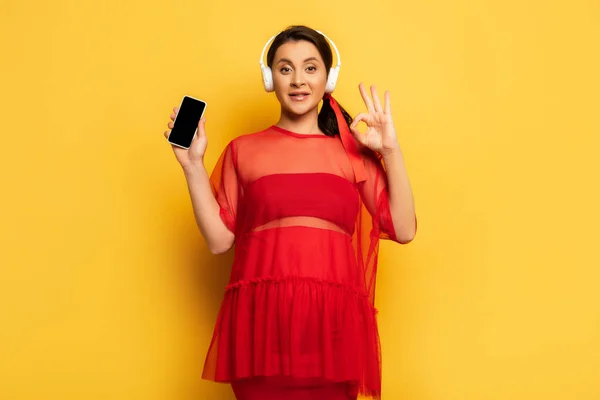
(299, 76)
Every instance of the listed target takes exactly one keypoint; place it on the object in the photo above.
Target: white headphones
(331, 79)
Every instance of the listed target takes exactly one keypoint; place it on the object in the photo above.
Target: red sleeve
(375, 195)
(224, 184)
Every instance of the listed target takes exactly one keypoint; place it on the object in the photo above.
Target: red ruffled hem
(302, 327)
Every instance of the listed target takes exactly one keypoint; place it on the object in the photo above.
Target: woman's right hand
(194, 155)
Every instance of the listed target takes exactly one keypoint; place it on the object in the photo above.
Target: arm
(381, 138)
(402, 206)
(217, 231)
(207, 211)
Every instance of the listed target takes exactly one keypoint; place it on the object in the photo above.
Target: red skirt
(297, 309)
(288, 388)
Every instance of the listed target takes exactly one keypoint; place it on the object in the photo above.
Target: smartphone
(186, 121)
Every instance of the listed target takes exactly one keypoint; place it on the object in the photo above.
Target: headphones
(267, 74)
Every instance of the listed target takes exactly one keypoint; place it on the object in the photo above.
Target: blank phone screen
(186, 122)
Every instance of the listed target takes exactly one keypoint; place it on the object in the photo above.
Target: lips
(299, 95)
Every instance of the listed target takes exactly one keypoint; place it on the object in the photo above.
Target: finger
(378, 107)
(167, 133)
(358, 135)
(358, 118)
(201, 128)
(388, 105)
(170, 125)
(366, 98)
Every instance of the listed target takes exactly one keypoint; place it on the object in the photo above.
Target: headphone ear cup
(267, 78)
(332, 79)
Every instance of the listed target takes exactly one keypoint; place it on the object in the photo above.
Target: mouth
(299, 96)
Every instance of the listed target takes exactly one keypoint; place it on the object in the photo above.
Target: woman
(306, 201)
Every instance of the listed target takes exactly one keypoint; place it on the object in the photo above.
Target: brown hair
(327, 119)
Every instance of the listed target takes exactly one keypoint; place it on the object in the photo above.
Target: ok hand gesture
(381, 134)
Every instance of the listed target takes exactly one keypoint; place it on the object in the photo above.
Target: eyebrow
(289, 61)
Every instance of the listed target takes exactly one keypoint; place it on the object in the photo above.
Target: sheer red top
(300, 299)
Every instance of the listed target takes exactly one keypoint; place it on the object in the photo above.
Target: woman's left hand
(381, 134)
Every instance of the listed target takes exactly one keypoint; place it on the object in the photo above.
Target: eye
(312, 68)
(284, 70)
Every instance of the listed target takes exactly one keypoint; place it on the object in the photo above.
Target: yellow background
(107, 290)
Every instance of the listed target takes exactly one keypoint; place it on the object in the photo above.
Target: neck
(305, 124)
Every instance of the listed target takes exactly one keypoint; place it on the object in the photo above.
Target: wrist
(391, 153)
(192, 169)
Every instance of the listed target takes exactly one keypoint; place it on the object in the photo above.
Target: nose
(298, 80)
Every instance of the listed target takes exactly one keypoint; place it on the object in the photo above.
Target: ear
(268, 79)
(332, 79)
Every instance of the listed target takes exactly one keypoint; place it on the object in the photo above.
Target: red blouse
(300, 299)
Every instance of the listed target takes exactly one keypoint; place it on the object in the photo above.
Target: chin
(300, 109)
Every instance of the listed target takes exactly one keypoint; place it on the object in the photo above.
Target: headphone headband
(262, 55)
(337, 53)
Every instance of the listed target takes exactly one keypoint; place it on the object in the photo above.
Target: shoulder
(251, 142)
(250, 137)
(247, 143)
